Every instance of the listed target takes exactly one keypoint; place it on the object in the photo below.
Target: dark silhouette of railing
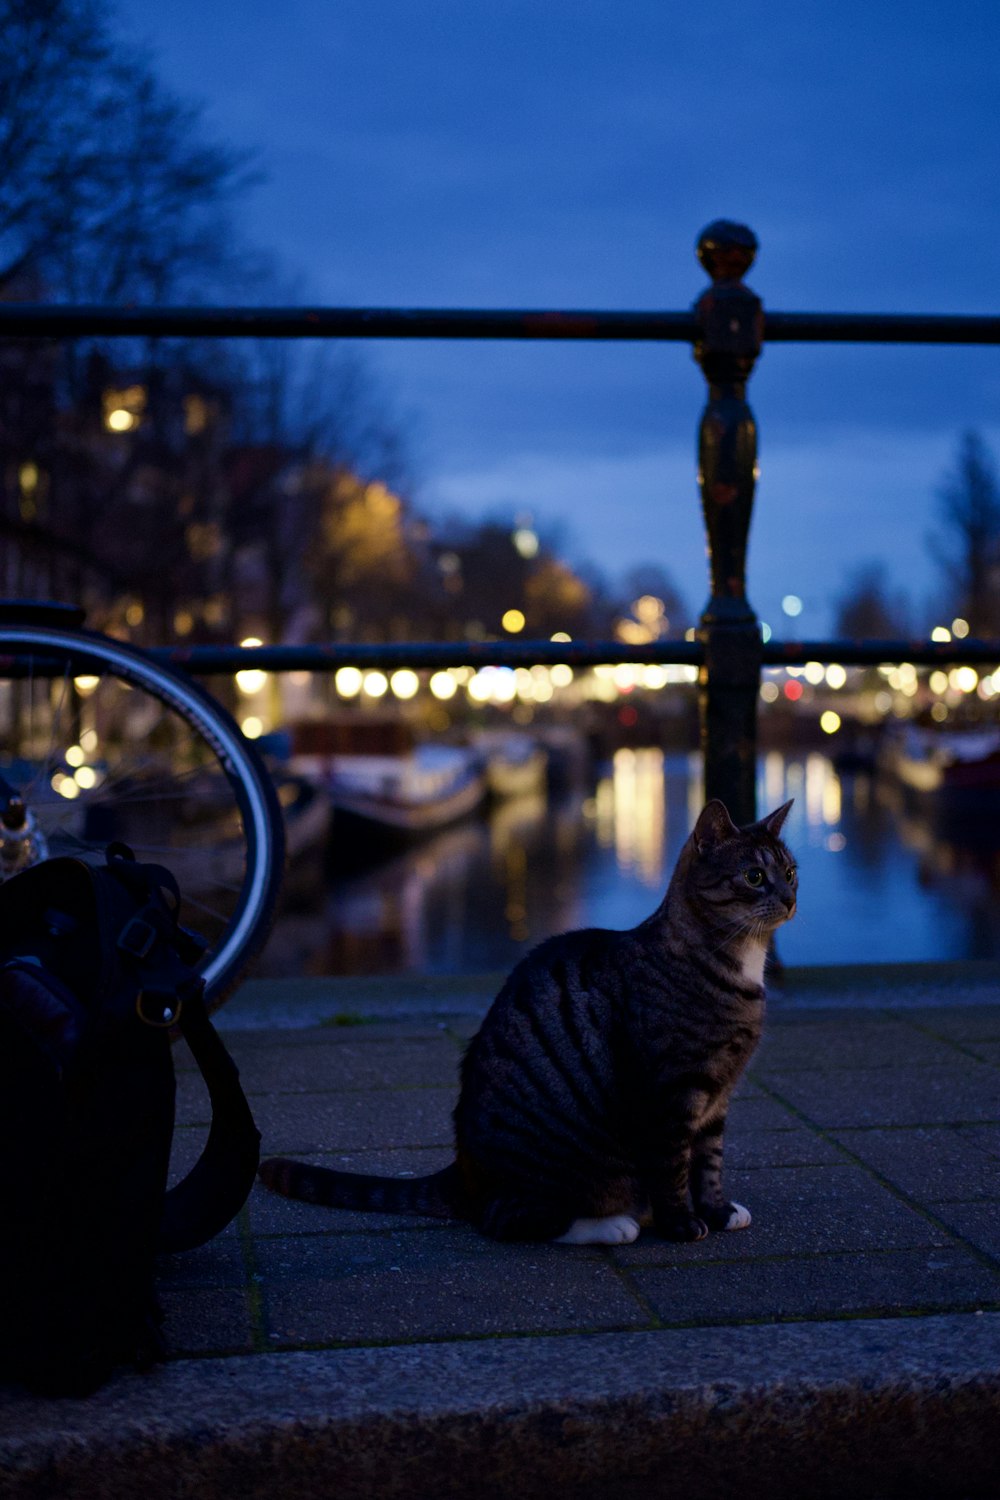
(727, 328)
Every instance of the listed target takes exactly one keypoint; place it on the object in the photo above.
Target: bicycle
(100, 742)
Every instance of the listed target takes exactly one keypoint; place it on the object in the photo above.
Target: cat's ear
(714, 825)
(772, 823)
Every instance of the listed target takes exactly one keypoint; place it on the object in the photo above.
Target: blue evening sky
(565, 153)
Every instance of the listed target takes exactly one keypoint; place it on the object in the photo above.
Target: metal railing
(727, 329)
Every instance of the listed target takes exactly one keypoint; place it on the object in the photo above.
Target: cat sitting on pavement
(594, 1095)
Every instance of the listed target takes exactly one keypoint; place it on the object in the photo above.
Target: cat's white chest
(752, 961)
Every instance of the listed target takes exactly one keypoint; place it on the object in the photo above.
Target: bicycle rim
(103, 743)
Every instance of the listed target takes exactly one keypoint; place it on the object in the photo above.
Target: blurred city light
(375, 684)
(404, 683)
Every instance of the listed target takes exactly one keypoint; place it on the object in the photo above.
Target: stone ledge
(867, 1408)
(302, 1002)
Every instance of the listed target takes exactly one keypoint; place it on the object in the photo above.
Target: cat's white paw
(739, 1218)
(616, 1229)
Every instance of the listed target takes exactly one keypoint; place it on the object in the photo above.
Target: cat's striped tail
(437, 1195)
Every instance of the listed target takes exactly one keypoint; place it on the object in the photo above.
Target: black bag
(94, 974)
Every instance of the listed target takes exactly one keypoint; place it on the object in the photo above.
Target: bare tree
(868, 609)
(967, 549)
(109, 187)
(266, 457)
(320, 402)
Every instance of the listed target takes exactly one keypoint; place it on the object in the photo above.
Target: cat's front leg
(710, 1202)
(666, 1179)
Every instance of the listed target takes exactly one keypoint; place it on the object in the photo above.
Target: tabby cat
(594, 1095)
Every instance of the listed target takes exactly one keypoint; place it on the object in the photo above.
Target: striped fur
(435, 1196)
(598, 1084)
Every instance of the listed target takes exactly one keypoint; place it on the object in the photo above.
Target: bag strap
(157, 951)
(219, 1183)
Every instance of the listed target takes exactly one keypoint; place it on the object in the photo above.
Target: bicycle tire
(46, 667)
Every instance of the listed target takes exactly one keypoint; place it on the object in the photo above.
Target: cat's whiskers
(744, 926)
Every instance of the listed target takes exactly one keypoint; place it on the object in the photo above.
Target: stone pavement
(848, 1341)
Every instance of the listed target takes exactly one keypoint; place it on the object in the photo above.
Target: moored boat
(954, 774)
(381, 780)
(412, 794)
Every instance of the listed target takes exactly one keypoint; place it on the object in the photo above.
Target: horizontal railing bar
(423, 655)
(439, 655)
(20, 320)
(921, 653)
(32, 320)
(881, 328)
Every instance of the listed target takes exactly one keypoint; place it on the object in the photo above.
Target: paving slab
(871, 1041)
(976, 1223)
(803, 1210)
(346, 1120)
(937, 1163)
(959, 1091)
(867, 1284)
(847, 1342)
(434, 1284)
(387, 1061)
(798, 1146)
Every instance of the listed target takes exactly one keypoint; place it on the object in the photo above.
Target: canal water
(875, 883)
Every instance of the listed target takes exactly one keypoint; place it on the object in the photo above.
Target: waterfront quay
(847, 1342)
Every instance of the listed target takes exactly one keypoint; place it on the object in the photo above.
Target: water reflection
(876, 884)
(638, 813)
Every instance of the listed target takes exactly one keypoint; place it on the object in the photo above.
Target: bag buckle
(137, 938)
(159, 1008)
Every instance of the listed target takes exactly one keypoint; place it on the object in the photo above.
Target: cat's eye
(790, 873)
(754, 876)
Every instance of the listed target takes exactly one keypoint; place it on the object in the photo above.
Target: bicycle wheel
(99, 742)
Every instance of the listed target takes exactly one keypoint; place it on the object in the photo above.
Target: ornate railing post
(730, 328)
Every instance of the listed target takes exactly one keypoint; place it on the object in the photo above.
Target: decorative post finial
(730, 321)
(727, 250)
(730, 329)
